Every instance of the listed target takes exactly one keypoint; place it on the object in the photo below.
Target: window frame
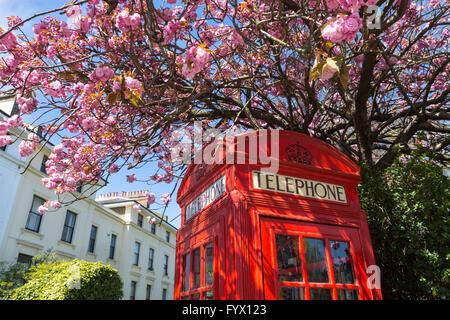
(192, 293)
(92, 240)
(153, 228)
(305, 283)
(35, 215)
(133, 286)
(69, 227)
(26, 259)
(136, 255)
(196, 274)
(148, 291)
(186, 272)
(325, 233)
(151, 258)
(43, 169)
(140, 220)
(166, 265)
(111, 246)
(168, 236)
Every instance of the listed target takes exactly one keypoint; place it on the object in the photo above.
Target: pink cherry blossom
(73, 11)
(55, 204)
(165, 198)
(133, 84)
(5, 140)
(27, 105)
(8, 42)
(131, 178)
(333, 32)
(196, 60)
(342, 29)
(157, 178)
(4, 127)
(43, 208)
(82, 23)
(102, 74)
(150, 197)
(113, 87)
(15, 121)
(126, 22)
(135, 20)
(27, 147)
(88, 123)
(113, 168)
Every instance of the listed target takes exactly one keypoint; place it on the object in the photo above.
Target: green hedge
(70, 280)
(407, 209)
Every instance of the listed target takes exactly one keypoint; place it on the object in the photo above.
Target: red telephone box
(296, 232)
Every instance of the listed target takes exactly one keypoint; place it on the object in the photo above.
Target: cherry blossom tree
(117, 78)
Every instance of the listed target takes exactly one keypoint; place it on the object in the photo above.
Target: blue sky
(25, 8)
(117, 183)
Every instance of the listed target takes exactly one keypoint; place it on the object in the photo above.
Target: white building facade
(108, 230)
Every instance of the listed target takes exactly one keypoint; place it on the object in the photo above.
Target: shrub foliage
(70, 280)
(407, 208)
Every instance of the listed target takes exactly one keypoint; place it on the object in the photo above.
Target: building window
(201, 270)
(164, 294)
(148, 292)
(186, 272)
(3, 148)
(133, 290)
(209, 267)
(151, 254)
(137, 248)
(112, 246)
(79, 187)
(44, 160)
(167, 236)
(153, 228)
(92, 237)
(196, 269)
(34, 217)
(139, 220)
(69, 226)
(25, 259)
(166, 265)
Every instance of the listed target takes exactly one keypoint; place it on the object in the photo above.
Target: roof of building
(114, 199)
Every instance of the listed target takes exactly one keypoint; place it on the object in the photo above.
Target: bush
(70, 280)
(11, 276)
(407, 208)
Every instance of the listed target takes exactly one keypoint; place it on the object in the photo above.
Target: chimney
(139, 196)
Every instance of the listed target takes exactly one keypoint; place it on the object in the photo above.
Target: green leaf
(316, 69)
(344, 75)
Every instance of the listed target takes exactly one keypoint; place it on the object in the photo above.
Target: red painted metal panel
(239, 221)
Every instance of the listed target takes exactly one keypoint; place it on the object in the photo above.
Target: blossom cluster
(194, 61)
(102, 74)
(126, 22)
(28, 146)
(121, 83)
(342, 29)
